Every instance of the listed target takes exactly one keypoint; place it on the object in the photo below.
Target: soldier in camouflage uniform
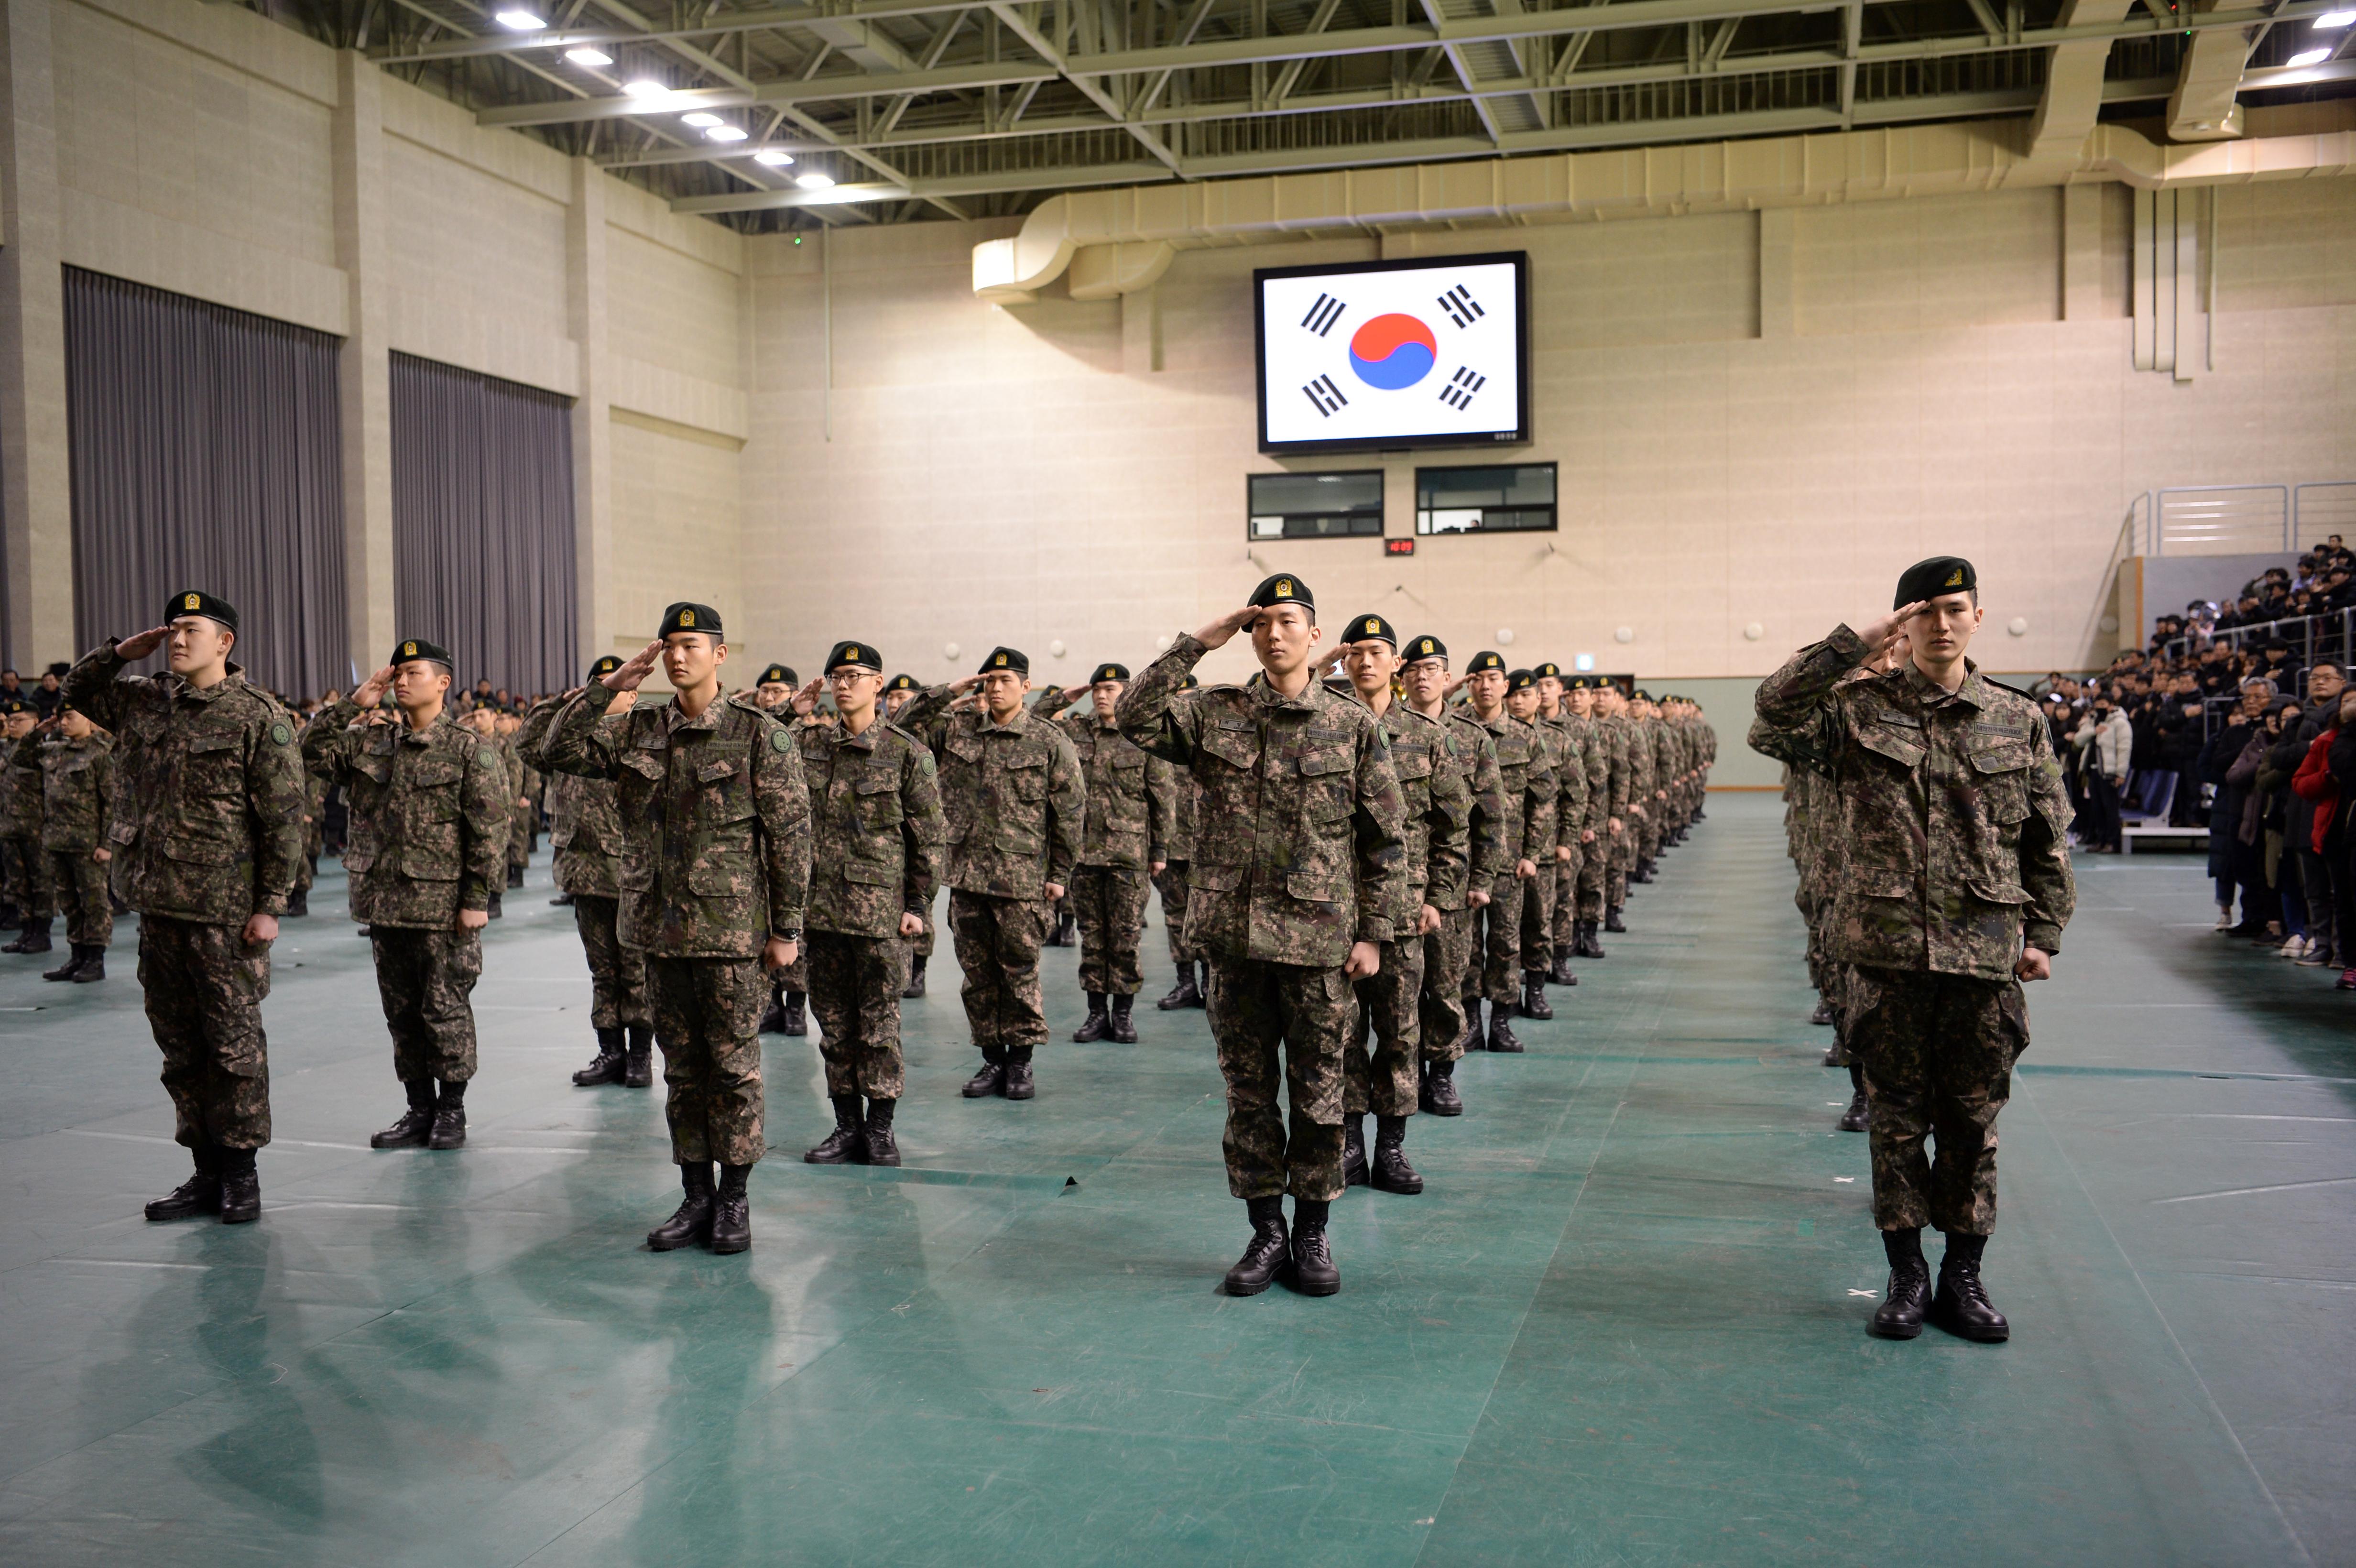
(73, 771)
(1170, 882)
(788, 1009)
(1492, 972)
(1448, 952)
(715, 866)
(1012, 805)
(1436, 795)
(220, 808)
(875, 811)
(1953, 887)
(585, 833)
(898, 692)
(29, 889)
(1298, 877)
(1582, 753)
(430, 825)
(1131, 802)
(1526, 702)
(1624, 819)
(524, 810)
(123, 829)
(314, 832)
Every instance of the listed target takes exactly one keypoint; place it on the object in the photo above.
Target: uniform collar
(1268, 696)
(1019, 724)
(1930, 693)
(862, 741)
(675, 718)
(235, 677)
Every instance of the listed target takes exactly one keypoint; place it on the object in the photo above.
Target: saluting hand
(371, 690)
(132, 649)
(1218, 632)
(1455, 684)
(805, 701)
(641, 664)
(1881, 636)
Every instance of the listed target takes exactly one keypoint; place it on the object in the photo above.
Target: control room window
(1316, 506)
(1508, 498)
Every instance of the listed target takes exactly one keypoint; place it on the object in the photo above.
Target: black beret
(604, 667)
(902, 683)
(776, 674)
(854, 655)
(1282, 589)
(1372, 628)
(1578, 683)
(685, 617)
(1426, 648)
(1486, 659)
(1520, 680)
(1014, 659)
(410, 648)
(1548, 668)
(15, 705)
(1110, 672)
(196, 601)
(1928, 579)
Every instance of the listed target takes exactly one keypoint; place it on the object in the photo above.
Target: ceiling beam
(822, 90)
(721, 25)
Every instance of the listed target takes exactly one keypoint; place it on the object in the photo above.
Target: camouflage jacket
(875, 810)
(428, 830)
(75, 783)
(1526, 772)
(20, 791)
(1641, 773)
(1571, 788)
(1131, 797)
(1478, 749)
(220, 789)
(1595, 757)
(1617, 766)
(714, 817)
(1436, 788)
(584, 829)
(1950, 814)
(1299, 839)
(1012, 798)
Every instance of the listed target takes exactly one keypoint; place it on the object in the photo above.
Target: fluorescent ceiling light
(517, 19)
(587, 56)
(774, 158)
(815, 182)
(700, 119)
(646, 87)
(725, 134)
(2307, 58)
(2334, 20)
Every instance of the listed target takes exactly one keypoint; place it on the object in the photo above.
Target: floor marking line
(2252, 1192)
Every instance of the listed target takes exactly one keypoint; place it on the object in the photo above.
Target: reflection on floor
(1624, 1324)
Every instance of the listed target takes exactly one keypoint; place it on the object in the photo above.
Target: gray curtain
(205, 454)
(482, 524)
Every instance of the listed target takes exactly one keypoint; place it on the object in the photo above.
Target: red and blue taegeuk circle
(1393, 351)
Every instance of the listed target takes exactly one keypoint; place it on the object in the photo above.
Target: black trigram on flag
(1324, 395)
(1462, 308)
(1324, 314)
(1458, 393)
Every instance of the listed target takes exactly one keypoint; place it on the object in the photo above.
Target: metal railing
(2240, 519)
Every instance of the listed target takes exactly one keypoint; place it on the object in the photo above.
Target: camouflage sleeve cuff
(271, 904)
(1849, 643)
(2043, 937)
(1374, 928)
(785, 932)
(598, 697)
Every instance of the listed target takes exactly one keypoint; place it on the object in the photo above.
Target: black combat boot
(1501, 1033)
(1587, 946)
(1354, 1148)
(731, 1211)
(608, 1065)
(33, 936)
(1124, 1025)
(514, 875)
(1899, 1315)
(1392, 1173)
(1439, 1097)
(1099, 1023)
(1642, 873)
(1066, 933)
(1473, 1039)
(1020, 1083)
(916, 985)
(1612, 923)
(93, 966)
(241, 1188)
(449, 1119)
(1183, 994)
(9, 915)
(1560, 974)
(882, 1148)
(991, 1079)
(1860, 1109)
(796, 1013)
(1961, 1306)
(70, 968)
(638, 1061)
(1835, 1056)
(416, 1124)
(773, 1016)
(562, 900)
(690, 1222)
(1265, 1253)
(1313, 1273)
(1534, 1002)
(200, 1194)
(298, 904)
(847, 1145)
(1823, 1015)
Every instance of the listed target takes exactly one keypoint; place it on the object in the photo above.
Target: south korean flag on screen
(1423, 351)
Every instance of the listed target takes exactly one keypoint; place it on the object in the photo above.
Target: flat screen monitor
(1383, 356)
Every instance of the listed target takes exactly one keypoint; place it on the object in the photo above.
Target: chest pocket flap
(710, 771)
(217, 740)
(646, 765)
(434, 772)
(1318, 764)
(875, 781)
(1236, 748)
(1413, 760)
(1901, 746)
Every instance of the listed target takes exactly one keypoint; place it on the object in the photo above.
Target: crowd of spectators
(2234, 722)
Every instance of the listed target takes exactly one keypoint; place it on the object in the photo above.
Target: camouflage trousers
(708, 1022)
(1566, 893)
(1172, 885)
(1261, 1012)
(1386, 1080)
(426, 978)
(522, 831)
(618, 975)
(1595, 877)
(854, 988)
(997, 944)
(203, 987)
(26, 868)
(1109, 901)
(1446, 953)
(1493, 967)
(1938, 1051)
(80, 884)
(921, 944)
(1538, 916)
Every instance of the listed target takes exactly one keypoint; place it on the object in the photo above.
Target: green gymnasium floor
(1624, 1324)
